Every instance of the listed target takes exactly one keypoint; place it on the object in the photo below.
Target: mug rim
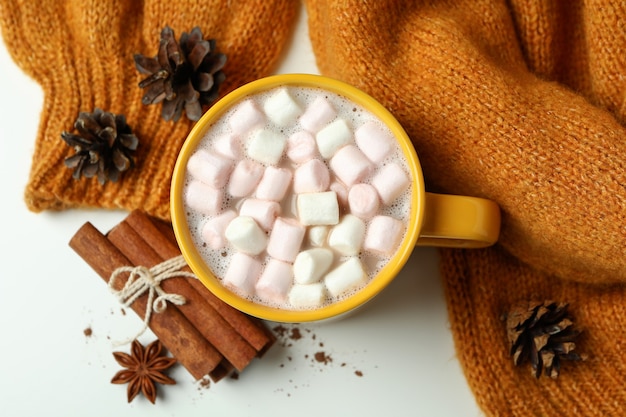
(376, 283)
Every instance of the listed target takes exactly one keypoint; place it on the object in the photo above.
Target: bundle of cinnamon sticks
(206, 335)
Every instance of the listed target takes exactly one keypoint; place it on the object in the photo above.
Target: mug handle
(456, 221)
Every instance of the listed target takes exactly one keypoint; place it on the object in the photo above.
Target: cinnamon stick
(199, 313)
(179, 336)
(161, 239)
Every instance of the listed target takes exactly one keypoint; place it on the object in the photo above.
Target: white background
(400, 342)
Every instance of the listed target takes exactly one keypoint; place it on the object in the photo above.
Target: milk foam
(218, 260)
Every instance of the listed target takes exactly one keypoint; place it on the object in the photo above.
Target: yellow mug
(434, 219)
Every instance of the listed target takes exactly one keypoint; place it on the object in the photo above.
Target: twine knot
(142, 279)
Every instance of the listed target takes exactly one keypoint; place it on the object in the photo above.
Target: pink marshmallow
(374, 141)
(311, 177)
(350, 165)
(246, 116)
(242, 273)
(318, 114)
(390, 181)
(274, 184)
(275, 281)
(301, 147)
(264, 212)
(363, 200)
(244, 178)
(210, 168)
(204, 198)
(285, 239)
(213, 230)
(228, 145)
(342, 193)
(383, 235)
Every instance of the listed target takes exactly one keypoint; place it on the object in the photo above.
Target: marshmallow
(311, 177)
(319, 113)
(374, 141)
(363, 201)
(204, 198)
(383, 235)
(347, 236)
(317, 235)
(244, 178)
(311, 264)
(274, 184)
(213, 230)
(285, 239)
(210, 168)
(242, 273)
(342, 193)
(246, 117)
(281, 108)
(228, 145)
(264, 212)
(311, 295)
(266, 146)
(390, 181)
(350, 165)
(275, 281)
(246, 235)
(332, 137)
(318, 208)
(301, 147)
(347, 276)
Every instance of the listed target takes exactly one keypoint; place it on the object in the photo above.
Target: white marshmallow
(317, 235)
(266, 146)
(311, 295)
(245, 117)
(246, 235)
(363, 200)
(274, 184)
(332, 137)
(275, 281)
(310, 265)
(374, 141)
(264, 212)
(311, 177)
(242, 273)
(319, 113)
(245, 177)
(350, 165)
(318, 208)
(390, 181)
(347, 276)
(281, 108)
(383, 235)
(301, 147)
(204, 198)
(285, 239)
(228, 145)
(213, 230)
(210, 168)
(347, 236)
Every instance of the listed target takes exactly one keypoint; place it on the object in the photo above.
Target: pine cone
(543, 334)
(184, 75)
(103, 145)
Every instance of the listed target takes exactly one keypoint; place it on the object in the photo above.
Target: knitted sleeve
(517, 101)
(81, 53)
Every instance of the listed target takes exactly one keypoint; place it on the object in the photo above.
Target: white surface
(400, 342)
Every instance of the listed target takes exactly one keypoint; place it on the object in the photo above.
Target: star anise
(143, 369)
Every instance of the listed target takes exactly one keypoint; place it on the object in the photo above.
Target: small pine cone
(184, 75)
(103, 146)
(543, 334)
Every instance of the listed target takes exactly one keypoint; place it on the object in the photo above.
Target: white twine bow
(142, 279)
